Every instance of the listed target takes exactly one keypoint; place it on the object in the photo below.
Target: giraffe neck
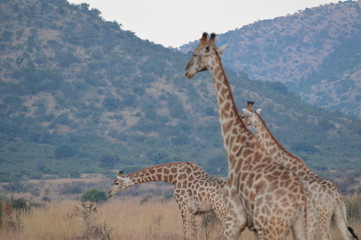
(277, 151)
(231, 123)
(165, 173)
(242, 148)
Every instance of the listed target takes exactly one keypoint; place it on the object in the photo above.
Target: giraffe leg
(325, 209)
(185, 216)
(298, 229)
(221, 215)
(276, 231)
(312, 223)
(256, 236)
(218, 208)
(267, 234)
(186, 224)
(324, 220)
(236, 218)
(197, 226)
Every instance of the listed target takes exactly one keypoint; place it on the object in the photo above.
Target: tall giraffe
(327, 199)
(196, 192)
(260, 194)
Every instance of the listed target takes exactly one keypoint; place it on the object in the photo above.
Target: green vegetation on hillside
(80, 95)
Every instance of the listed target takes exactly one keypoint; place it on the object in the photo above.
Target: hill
(80, 95)
(315, 52)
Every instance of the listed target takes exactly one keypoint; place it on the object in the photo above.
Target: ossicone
(203, 40)
(250, 105)
(212, 39)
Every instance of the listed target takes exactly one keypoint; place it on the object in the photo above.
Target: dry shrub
(92, 230)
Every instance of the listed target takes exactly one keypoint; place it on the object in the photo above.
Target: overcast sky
(176, 22)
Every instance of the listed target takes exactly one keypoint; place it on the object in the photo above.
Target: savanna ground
(143, 212)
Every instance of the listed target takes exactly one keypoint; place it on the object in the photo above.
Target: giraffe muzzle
(110, 194)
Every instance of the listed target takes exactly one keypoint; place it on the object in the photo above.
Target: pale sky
(173, 23)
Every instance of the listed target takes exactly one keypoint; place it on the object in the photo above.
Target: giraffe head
(120, 183)
(200, 60)
(249, 115)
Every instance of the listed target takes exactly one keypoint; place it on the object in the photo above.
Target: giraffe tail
(340, 218)
(350, 229)
(352, 232)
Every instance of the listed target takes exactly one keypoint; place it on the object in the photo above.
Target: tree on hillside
(108, 160)
(94, 195)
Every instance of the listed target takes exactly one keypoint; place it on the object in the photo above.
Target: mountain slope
(337, 83)
(301, 50)
(80, 95)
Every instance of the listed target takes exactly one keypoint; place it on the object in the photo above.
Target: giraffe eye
(195, 54)
(116, 183)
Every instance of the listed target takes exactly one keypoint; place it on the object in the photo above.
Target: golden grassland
(120, 218)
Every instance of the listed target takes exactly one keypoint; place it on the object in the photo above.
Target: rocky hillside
(315, 52)
(80, 95)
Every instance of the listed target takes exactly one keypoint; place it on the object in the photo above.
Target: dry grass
(122, 219)
(129, 218)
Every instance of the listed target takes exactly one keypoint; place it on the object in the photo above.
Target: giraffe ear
(245, 112)
(222, 48)
(259, 110)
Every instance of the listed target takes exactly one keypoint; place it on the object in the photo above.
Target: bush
(65, 151)
(20, 204)
(108, 160)
(94, 195)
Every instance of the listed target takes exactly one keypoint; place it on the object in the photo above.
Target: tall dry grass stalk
(129, 219)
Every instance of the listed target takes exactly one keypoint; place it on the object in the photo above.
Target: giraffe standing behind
(196, 192)
(260, 193)
(327, 199)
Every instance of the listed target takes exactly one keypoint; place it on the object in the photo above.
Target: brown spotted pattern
(195, 191)
(260, 194)
(326, 197)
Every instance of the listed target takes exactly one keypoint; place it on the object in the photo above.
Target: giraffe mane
(276, 141)
(231, 95)
(163, 165)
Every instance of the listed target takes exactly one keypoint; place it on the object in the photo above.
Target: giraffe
(327, 198)
(260, 193)
(196, 192)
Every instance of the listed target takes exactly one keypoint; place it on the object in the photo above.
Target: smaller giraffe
(327, 199)
(196, 192)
